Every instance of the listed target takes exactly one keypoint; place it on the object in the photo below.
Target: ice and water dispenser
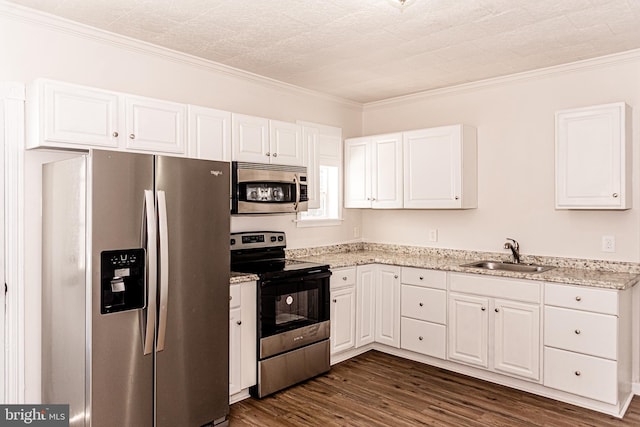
(122, 280)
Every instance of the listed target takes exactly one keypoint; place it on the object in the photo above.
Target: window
(324, 171)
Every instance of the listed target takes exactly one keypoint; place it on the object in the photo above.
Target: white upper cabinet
(373, 172)
(593, 157)
(62, 115)
(440, 168)
(209, 133)
(260, 140)
(156, 126)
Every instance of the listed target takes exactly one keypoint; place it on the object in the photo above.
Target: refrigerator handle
(164, 268)
(149, 322)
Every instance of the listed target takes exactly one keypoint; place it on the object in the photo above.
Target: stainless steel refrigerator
(136, 290)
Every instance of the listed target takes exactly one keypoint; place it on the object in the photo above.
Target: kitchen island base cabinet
(242, 340)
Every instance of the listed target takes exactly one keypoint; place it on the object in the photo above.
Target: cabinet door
(343, 311)
(209, 134)
(250, 139)
(592, 157)
(386, 179)
(388, 305)
(286, 143)
(357, 175)
(365, 305)
(517, 338)
(249, 340)
(235, 350)
(154, 125)
(75, 117)
(440, 168)
(468, 329)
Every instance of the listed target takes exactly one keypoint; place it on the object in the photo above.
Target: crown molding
(602, 61)
(56, 23)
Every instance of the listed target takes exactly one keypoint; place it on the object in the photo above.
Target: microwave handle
(296, 181)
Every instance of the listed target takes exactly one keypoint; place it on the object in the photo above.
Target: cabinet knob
(115, 134)
(421, 277)
(497, 310)
(483, 308)
(421, 304)
(578, 332)
(373, 198)
(132, 136)
(578, 298)
(578, 373)
(395, 276)
(457, 198)
(275, 154)
(615, 195)
(230, 297)
(335, 300)
(420, 338)
(239, 322)
(267, 154)
(344, 277)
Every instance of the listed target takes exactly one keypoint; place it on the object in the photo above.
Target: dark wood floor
(376, 389)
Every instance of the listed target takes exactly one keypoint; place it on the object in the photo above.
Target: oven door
(293, 312)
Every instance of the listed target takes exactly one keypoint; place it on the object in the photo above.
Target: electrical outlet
(608, 244)
(433, 235)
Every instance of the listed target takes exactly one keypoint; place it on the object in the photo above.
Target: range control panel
(257, 239)
(122, 280)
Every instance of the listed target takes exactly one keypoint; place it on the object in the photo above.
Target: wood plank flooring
(377, 389)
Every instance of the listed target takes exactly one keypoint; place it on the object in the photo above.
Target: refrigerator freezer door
(192, 373)
(120, 375)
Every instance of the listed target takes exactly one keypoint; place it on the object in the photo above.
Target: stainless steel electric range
(293, 324)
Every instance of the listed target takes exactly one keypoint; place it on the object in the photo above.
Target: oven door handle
(296, 181)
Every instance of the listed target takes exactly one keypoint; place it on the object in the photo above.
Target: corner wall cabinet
(593, 157)
(432, 168)
(373, 172)
(67, 116)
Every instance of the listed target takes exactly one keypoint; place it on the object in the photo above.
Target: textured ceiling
(368, 50)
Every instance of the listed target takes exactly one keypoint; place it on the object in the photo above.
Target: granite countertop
(568, 271)
(241, 278)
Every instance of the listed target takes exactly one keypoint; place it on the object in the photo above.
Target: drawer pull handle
(421, 277)
(420, 338)
(483, 308)
(578, 298)
(239, 322)
(578, 373)
(421, 304)
(578, 332)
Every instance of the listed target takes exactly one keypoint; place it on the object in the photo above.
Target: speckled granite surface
(241, 278)
(601, 274)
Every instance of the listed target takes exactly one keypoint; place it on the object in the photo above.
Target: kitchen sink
(508, 266)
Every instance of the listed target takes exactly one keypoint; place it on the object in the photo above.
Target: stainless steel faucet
(515, 249)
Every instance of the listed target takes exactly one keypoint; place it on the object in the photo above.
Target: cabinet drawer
(422, 277)
(423, 337)
(424, 303)
(498, 287)
(589, 333)
(587, 376)
(343, 277)
(234, 296)
(582, 298)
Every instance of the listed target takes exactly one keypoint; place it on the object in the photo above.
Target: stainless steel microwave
(259, 188)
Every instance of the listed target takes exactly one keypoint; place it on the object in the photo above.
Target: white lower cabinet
(502, 335)
(587, 342)
(423, 309)
(242, 339)
(365, 305)
(387, 296)
(343, 309)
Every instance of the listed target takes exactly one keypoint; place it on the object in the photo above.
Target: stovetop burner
(263, 253)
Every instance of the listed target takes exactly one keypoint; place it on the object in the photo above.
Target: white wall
(33, 45)
(515, 123)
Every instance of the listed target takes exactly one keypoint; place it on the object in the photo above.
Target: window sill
(301, 223)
